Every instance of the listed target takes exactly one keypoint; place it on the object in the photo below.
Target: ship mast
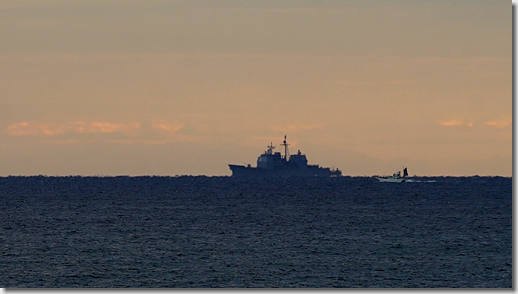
(285, 148)
(270, 148)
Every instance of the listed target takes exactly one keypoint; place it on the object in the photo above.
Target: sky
(185, 87)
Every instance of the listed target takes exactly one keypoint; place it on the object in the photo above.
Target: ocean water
(204, 232)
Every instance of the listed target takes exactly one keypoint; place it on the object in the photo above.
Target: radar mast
(285, 144)
(270, 148)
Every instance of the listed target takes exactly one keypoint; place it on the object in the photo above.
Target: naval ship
(274, 164)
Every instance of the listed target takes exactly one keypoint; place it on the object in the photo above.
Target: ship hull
(241, 171)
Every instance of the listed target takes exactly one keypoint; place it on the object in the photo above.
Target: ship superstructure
(272, 163)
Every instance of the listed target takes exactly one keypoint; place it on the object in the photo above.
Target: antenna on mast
(286, 152)
(270, 148)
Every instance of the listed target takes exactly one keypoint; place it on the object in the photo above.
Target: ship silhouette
(274, 164)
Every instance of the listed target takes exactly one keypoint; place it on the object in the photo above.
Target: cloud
(295, 128)
(456, 123)
(106, 127)
(29, 129)
(172, 131)
(50, 130)
(20, 129)
(167, 127)
(167, 132)
(142, 142)
(499, 123)
(133, 134)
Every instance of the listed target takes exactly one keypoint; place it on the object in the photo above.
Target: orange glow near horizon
(181, 87)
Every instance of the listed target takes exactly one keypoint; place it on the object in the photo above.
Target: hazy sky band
(186, 87)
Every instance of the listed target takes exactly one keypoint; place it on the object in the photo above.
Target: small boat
(395, 178)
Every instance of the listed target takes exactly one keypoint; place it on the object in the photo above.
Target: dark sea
(206, 232)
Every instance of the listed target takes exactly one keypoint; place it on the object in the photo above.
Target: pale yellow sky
(187, 87)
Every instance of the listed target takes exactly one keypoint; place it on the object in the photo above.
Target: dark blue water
(224, 232)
